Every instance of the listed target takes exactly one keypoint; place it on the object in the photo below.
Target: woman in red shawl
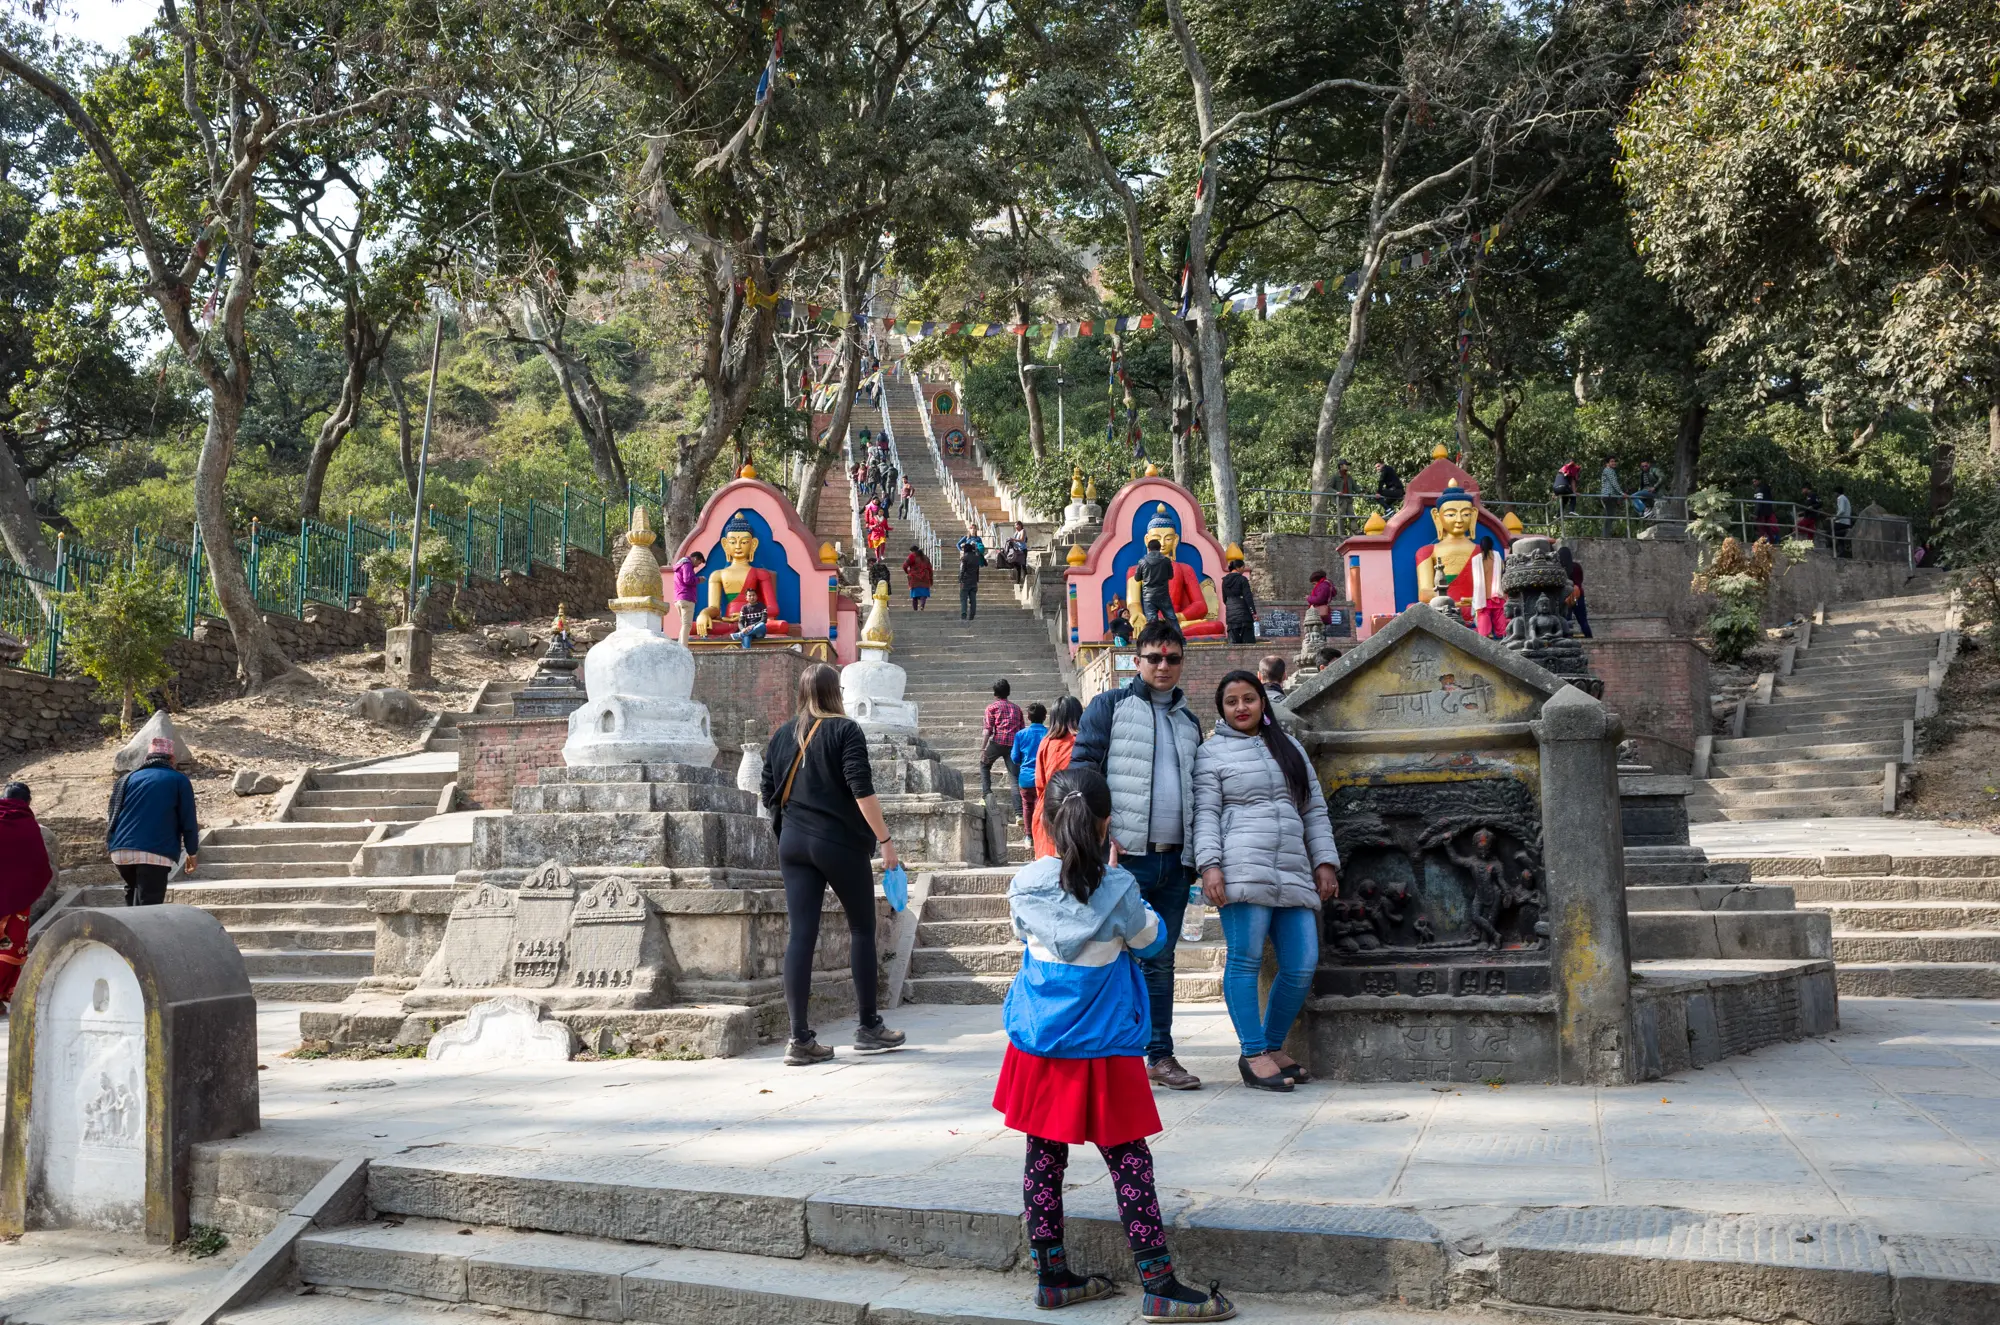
(25, 872)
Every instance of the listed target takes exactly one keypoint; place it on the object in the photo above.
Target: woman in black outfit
(829, 823)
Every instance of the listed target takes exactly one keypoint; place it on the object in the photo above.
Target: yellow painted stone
(1076, 554)
(1513, 522)
(827, 555)
(1439, 452)
(1376, 524)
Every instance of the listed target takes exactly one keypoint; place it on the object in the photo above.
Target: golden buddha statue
(727, 582)
(1454, 567)
(1197, 606)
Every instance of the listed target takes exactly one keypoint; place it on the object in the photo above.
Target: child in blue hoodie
(1075, 1069)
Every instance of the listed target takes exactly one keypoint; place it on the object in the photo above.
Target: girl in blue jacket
(1077, 1025)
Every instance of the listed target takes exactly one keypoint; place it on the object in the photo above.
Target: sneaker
(1159, 1310)
(807, 1052)
(876, 1039)
(1168, 1072)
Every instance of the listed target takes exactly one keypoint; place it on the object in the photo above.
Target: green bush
(389, 576)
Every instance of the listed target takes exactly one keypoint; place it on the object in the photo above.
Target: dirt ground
(279, 731)
(1957, 775)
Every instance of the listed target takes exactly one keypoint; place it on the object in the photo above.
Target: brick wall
(1659, 689)
(584, 588)
(747, 694)
(496, 754)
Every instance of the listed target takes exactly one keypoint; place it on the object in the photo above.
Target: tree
(1818, 182)
(242, 96)
(118, 629)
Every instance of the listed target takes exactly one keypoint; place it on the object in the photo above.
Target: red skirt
(1106, 1101)
(13, 952)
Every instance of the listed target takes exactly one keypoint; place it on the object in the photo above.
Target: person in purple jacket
(686, 572)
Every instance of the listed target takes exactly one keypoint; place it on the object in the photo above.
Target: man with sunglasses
(1142, 737)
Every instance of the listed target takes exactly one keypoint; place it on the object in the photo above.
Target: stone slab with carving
(509, 1029)
(132, 1037)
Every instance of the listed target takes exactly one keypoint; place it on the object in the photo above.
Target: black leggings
(810, 866)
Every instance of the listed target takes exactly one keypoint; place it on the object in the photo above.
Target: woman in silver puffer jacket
(1264, 848)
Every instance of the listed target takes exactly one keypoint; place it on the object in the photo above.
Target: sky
(105, 22)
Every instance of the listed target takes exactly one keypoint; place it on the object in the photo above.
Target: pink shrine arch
(816, 613)
(1113, 554)
(1381, 568)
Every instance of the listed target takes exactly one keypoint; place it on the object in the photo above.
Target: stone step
(306, 938)
(1871, 668)
(1730, 935)
(372, 797)
(1856, 917)
(1821, 727)
(266, 834)
(1915, 979)
(272, 869)
(1860, 640)
(1723, 791)
(989, 883)
(314, 915)
(1852, 742)
(1804, 810)
(1734, 768)
(981, 907)
(307, 963)
(1869, 775)
(958, 933)
(230, 853)
(331, 892)
(1786, 702)
(1814, 891)
(1709, 897)
(1944, 945)
(355, 814)
(363, 779)
(301, 989)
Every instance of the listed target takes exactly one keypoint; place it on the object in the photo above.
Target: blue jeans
(749, 633)
(1163, 882)
(1294, 932)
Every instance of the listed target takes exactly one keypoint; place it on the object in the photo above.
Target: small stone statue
(1489, 883)
(1546, 625)
(1421, 927)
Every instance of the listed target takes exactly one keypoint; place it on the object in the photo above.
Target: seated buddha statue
(727, 582)
(1453, 566)
(1196, 605)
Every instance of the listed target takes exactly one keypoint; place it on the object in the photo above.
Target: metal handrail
(918, 522)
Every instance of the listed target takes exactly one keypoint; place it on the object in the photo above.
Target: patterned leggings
(1131, 1166)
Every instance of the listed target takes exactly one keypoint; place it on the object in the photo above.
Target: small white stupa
(871, 689)
(639, 681)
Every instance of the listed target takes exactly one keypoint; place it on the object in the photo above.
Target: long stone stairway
(1822, 746)
(285, 890)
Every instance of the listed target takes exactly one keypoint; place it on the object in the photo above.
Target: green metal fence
(320, 563)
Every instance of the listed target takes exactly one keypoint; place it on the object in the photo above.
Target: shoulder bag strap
(797, 759)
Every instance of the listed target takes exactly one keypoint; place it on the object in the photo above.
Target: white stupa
(639, 681)
(871, 689)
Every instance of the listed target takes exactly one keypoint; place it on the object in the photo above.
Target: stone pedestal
(871, 690)
(924, 802)
(406, 658)
(638, 708)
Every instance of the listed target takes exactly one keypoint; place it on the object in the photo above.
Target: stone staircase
(953, 664)
(1903, 926)
(966, 951)
(1823, 744)
(286, 890)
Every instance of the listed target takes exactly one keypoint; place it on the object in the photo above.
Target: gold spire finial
(875, 632)
(829, 555)
(1076, 555)
(1076, 484)
(1090, 489)
(1376, 524)
(1513, 523)
(1439, 452)
(639, 575)
(1152, 470)
(748, 471)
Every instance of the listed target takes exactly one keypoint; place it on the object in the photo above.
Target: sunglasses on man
(1161, 659)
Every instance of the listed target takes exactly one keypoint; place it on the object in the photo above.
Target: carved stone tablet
(479, 939)
(541, 920)
(607, 935)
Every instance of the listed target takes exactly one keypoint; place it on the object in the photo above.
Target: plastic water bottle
(1191, 918)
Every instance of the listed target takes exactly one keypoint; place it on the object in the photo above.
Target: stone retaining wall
(1633, 575)
(1659, 690)
(497, 754)
(36, 710)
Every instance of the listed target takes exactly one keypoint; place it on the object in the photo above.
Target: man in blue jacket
(151, 822)
(1142, 737)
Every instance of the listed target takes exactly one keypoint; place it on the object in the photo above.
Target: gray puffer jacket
(1245, 822)
(1116, 738)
